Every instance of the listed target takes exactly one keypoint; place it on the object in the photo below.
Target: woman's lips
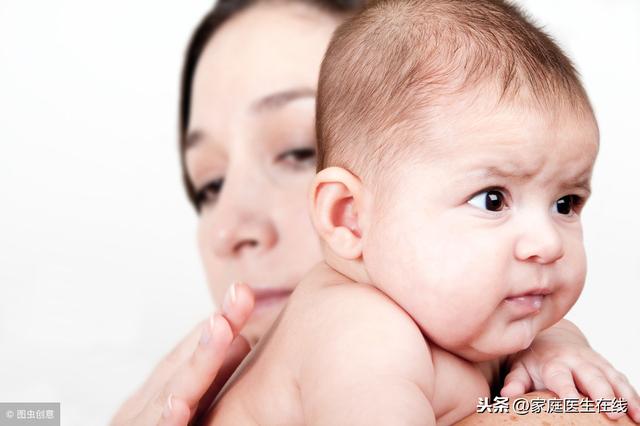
(266, 297)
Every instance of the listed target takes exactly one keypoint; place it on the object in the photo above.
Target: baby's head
(456, 146)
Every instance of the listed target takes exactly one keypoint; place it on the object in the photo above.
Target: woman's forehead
(265, 46)
(264, 51)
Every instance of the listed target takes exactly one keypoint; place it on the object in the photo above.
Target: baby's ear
(334, 199)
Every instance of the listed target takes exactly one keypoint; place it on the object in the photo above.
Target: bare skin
(185, 382)
(277, 385)
(270, 250)
(544, 419)
(252, 398)
(378, 292)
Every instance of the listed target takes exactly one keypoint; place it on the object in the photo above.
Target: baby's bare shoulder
(354, 326)
(363, 306)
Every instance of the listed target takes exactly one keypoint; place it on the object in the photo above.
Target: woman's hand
(186, 381)
(561, 360)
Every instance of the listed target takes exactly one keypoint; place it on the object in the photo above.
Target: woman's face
(251, 151)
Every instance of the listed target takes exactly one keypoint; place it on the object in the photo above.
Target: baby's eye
(299, 157)
(568, 204)
(209, 193)
(492, 200)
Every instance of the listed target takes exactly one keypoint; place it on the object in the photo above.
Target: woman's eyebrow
(279, 99)
(192, 139)
(269, 102)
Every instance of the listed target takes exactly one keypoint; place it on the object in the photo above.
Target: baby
(456, 146)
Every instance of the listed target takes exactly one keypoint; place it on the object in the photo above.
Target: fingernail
(207, 331)
(168, 407)
(229, 299)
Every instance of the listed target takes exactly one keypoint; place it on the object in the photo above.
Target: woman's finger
(237, 352)
(194, 379)
(237, 306)
(170, 364)
(176, 413)
(558, 378)
(166, 368)
(517, 382)
(195, 370)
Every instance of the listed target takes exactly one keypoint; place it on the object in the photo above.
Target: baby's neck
(353, 269)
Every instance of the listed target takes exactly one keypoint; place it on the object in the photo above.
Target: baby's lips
(533, 301)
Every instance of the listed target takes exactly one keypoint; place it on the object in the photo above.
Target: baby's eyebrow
(580, 180)
(509, 171)
(582, 183)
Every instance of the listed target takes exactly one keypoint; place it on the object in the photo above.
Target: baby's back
(327, 328)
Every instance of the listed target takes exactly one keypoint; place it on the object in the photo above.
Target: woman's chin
(264, 314)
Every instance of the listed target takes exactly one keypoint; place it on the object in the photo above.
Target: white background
(99, 273)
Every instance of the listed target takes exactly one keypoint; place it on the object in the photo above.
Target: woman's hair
(221, 12)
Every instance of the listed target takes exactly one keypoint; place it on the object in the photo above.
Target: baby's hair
(390, 63)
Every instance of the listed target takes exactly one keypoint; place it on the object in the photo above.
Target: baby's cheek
(576, 269)
(575, 286)
(570, 286)
(575, 258)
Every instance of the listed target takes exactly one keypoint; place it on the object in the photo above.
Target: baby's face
(481, 242)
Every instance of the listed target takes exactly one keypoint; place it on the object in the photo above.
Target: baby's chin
(493, 345)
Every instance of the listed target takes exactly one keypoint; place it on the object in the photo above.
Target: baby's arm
(367, 363)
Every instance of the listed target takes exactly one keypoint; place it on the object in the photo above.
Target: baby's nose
(540, 242)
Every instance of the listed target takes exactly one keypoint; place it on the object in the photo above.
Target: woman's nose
(241, 221)
(242, 233)
(539, 241)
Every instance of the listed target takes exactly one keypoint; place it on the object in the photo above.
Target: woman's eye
(568, 204)
(492, 200)
(209, 193)
(299, 157)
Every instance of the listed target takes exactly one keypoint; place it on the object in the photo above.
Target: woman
(247, 148)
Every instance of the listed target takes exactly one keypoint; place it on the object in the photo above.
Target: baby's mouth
(532, 302)
(527, 303)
